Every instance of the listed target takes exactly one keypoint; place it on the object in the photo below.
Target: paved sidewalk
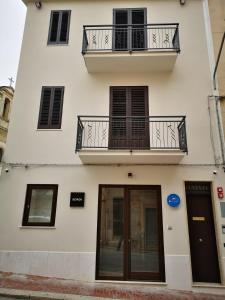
(38, 287)
(11, 294)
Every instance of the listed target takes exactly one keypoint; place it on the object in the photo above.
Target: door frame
(126, 255)
(211, 184)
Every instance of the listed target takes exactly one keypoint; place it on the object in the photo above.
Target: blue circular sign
(173, 200)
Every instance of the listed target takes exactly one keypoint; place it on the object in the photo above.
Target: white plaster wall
(70, 265)
(181, 92)
(87, 179)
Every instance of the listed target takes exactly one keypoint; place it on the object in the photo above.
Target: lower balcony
(131, 140)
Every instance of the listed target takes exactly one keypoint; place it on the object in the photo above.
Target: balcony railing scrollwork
(135, 37)
(132, 133)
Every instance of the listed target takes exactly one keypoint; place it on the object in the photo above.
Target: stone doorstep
(43, 288)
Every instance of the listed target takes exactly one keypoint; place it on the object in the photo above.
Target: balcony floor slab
(131, 157)
(130, 62)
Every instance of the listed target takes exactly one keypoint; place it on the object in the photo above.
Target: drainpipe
(217, 99)
(217, 61)
(221, 134)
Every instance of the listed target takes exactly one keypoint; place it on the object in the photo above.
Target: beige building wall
(48, 156)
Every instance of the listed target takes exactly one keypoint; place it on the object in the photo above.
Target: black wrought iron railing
(126, 132)
(135, 37)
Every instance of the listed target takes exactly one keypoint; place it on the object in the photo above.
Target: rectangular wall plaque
(201, 219)
(77, 199)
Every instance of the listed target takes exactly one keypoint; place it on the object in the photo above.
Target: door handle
(200, 240)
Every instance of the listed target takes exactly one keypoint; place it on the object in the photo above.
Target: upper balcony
(130, 48)
(131, 140)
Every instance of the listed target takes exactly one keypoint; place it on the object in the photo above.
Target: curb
(33, 295)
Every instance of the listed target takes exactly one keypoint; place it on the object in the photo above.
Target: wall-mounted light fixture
(38, 4)
(182, 2)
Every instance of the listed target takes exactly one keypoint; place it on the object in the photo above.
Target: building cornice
(33, 1)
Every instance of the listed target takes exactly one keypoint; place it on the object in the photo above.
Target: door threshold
(132, 282)
(207, 285)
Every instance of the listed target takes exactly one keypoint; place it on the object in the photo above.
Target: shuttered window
(59, 27)
(51, 108)
(130, 30)
(129, 123)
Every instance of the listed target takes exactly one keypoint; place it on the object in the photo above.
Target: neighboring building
(6, 97)
(217, 22)
(135, 100)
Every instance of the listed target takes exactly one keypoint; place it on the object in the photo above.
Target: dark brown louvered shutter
(139, 129)
(139, 31)
(131, 31)
(45, 108)
(64, 26)
(129, 122)
(51, 108)
(56, 112)
(54, 26)
(118, 122)
(59, 27)
(120, 34)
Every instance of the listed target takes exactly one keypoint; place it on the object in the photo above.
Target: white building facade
(113, 168)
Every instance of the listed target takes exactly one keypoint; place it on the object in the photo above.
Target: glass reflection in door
(144, 232)
(111, 233)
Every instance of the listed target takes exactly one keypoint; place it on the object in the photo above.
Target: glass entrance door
(146, 260)
(130, 240)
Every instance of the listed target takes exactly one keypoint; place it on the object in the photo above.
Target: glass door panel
(144, 233)
(130, 238)
(111, 233)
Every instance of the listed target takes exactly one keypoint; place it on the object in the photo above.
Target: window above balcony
(130, 47)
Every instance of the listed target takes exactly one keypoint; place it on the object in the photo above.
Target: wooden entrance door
(130, 238)
(204, 258)
(129, 118)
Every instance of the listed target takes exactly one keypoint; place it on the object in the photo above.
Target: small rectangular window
(50, 114)
(59, 27)
(40, 205)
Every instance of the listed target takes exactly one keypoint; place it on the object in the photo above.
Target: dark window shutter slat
(45, 108)
(119, 110)
(51, 108)
(138, 109)
(54, 27)
(138, 101)
(64, 26)
(119, 102)
(57, 108)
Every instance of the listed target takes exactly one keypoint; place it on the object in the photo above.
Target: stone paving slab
(43, 288)
(11, 294)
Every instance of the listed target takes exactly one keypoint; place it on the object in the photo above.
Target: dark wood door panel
(204, 257)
